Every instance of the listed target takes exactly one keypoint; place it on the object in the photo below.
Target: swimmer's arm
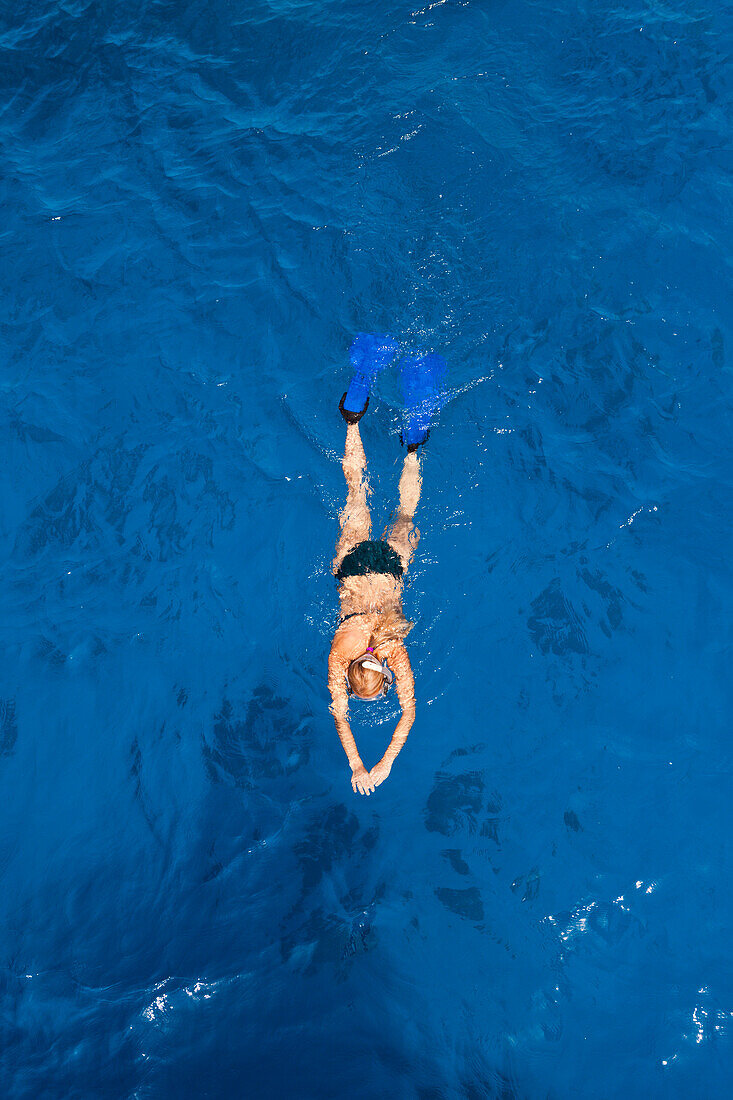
(405, 684)
(337, 666)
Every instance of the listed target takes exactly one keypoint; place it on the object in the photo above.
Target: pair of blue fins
(422, 380)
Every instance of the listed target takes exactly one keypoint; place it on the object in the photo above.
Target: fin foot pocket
(349, 416)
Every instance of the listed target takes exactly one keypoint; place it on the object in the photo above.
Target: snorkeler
(368, 653)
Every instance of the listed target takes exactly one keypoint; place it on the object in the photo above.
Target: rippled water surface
(202, 203)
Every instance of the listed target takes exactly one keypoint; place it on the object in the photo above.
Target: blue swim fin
(370, 353)
(422, 381)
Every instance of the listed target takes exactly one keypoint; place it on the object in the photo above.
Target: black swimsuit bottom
(371, 556)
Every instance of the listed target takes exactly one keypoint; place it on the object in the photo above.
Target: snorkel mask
(368, 660)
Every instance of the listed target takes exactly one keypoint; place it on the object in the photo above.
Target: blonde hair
(365, 682)
(391, 627)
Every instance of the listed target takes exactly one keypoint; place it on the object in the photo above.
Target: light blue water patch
(202, 205)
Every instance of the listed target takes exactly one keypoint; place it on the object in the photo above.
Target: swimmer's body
(368, 651)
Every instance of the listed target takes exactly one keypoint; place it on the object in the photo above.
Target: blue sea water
(202, 203)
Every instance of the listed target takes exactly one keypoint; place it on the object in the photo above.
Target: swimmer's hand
(379, 772)
(361, 780)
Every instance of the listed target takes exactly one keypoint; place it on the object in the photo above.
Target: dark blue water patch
(8, 726)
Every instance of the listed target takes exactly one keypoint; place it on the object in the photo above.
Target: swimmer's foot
(352, 417)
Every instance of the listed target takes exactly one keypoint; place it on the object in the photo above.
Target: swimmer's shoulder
(348, 634)
(354, 631)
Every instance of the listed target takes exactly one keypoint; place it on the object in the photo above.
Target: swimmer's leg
(403, 536)
(356, 522)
